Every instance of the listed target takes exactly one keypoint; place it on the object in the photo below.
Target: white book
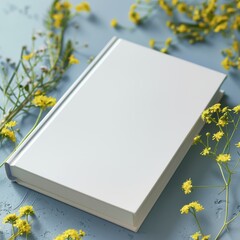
(113, 141)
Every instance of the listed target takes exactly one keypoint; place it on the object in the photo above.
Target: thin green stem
(198, 224)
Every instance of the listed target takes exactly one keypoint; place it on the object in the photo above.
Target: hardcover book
(113, 141)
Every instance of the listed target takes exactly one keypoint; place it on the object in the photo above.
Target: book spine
(9, 173)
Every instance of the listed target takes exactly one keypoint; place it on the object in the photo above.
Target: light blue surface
(164, 220)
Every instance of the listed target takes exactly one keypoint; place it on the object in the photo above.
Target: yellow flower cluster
(187, 186)
(205, 18)
(26, 210)
(23, 227)
(134, 17)
(223, 158)
(71, 234)
(62, 12)
(199, 236)
(83, 7)
(193, 206)
(217, 136)
(163, 49)
(43, 101)
(10, 218)
(222, 120)
(20, 226)
(8, 132)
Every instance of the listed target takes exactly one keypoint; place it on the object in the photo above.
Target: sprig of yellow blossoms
(20, 223)
(194, 21)
(24, 85)
(22, 227)
(226, 120)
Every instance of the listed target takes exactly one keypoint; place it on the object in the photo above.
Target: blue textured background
(18, 20)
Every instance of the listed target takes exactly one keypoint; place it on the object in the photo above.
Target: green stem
(210, 186)
(198, 224)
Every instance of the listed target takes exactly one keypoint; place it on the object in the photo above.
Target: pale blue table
(17, 21)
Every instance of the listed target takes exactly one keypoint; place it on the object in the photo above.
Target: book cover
(116, 137)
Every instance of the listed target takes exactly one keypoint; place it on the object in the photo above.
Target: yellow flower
(225, 109)
(206, 151)
(65, 5)
(226, 64)
(221, 27)
(237, 145)
(133, 7)
(28, 57)
(10, 218)
(206, 116)
(59, 237)
(23, 226)
(165, 7)
(215, 108)
(151, 43)
(134, 17)
(196, 139)
(235, 45)
(206, 237)
(185, 209)
(164, 50)
(9, 134)
(217, 136)
(196, 236)
(168, 41)
(182, 28)
(187, 186)
(174, 2)
(71, 234)
(58, 17)
(196, 206)
(44, 101)
(222, 121)
(82, 233)
(182, 7)
(196, 15)
(83, 6)
(26, 210)
(114, 23)
(73, 60)
(223, 158)
(236, 109)
(11, 124)
(193, 205)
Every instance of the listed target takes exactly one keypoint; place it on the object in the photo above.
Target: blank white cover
(115, 135)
